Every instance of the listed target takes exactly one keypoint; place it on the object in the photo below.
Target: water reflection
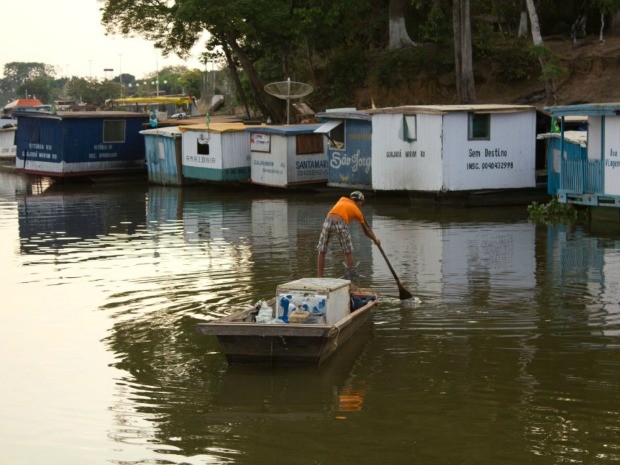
(511, 357)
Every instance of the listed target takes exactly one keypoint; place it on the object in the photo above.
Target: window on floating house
(478, 126)
(202, 146)
(410, 129)
(335, 131)
(260, 142)
(113, 130)
(309, 143)
(336, 137)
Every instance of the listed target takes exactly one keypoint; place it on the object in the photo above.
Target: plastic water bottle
(265, 313)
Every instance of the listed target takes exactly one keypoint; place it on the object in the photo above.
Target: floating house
(218, 152)
(349, 147)
(22, 104)
(288, 155)
(79, 143)
(451, 148)
(7, 141)
(574, 147)
(591, 177)
(164, 155)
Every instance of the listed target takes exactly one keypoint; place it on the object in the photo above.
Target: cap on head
(357, 196)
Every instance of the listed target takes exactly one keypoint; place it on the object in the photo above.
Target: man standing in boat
(337, 224)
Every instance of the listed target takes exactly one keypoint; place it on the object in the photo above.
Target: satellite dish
(287, 90)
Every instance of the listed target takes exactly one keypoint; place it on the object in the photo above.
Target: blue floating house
(349, 147)
(164, 155)
(590, 177)
(574, 147)
(80, 143)
(288, 155)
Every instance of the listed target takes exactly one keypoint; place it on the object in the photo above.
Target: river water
(511, 356)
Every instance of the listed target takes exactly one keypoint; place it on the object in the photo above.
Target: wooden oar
(402, 292)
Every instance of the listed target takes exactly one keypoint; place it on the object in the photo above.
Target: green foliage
(438, 26)
(17, 73)
(39, 87)
(514, 62)
(92, 91)
(552, 70)
(397, 67)
(483, 41)
(346, 71)
(555, 212)
(191, 83)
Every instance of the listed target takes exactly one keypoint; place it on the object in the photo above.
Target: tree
(239, 25)
(542, 54)
(39, 87)
(607, 8)
(523, 24)
(191, 83)
(17, 73)
(463, 61)
(399, 38)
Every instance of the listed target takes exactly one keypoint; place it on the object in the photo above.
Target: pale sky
(68, 35)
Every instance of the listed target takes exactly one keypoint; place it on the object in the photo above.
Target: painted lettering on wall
(311, 164)
(355, 162)
(496, 152)
(414, 153)
(613, 153)
(489, 165)
(394, 154)
(202, 159)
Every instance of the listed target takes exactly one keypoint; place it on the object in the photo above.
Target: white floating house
(218, 152)
(288, 156)
(442, 148)
(591, 177)
(7, 140)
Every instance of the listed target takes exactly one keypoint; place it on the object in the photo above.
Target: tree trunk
(235, 75)
(523, 25)
(615, 23)
(466, 88)
(538, 41)
(265, 102)
(456, 21)
(399, 38)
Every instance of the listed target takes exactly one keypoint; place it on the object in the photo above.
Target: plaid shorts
(338, 228)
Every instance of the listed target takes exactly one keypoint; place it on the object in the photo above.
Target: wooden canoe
(243, 340)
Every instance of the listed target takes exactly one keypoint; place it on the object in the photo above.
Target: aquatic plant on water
(555, 212)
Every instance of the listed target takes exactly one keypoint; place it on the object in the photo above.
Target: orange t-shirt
(348, 210)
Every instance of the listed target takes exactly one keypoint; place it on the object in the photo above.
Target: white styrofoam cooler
(328, 295)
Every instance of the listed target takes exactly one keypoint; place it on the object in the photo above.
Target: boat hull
(245, 341)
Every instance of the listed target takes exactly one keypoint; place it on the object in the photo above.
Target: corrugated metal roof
(290, 129)
(357, 114)
(80, 114)
(588, 109)
(218, 127)
(442, 109)
(168, 131)
(575, 137)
